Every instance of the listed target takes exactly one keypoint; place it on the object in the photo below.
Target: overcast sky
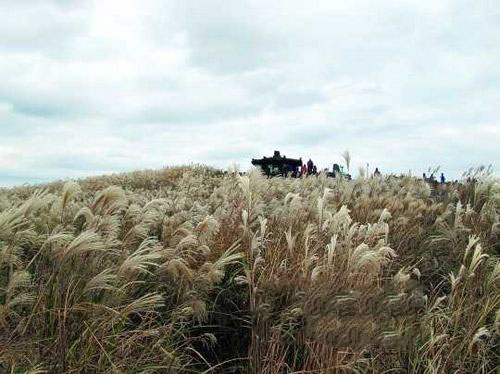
(96, 87)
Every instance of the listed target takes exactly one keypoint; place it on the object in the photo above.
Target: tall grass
(189, 270)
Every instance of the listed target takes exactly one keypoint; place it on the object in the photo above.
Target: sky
(96, 87)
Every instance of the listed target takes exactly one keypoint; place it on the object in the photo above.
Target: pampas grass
(190, 270)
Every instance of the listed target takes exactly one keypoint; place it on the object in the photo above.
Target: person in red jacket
(303, 170)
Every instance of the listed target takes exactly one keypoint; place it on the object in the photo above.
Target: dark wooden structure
(278, 165)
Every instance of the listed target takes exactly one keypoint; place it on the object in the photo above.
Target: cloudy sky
(92, 87)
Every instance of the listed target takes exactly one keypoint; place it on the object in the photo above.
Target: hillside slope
(189, 270)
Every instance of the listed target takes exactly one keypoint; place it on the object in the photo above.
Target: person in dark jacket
(376, 172)
(443, 180)
(310, 165)
(336, 170)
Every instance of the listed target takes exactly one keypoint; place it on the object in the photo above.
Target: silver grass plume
(87, 241)
(109, 200)
(346, 155)
(11, 221)
(87, 214)
(177, 268)
(17, 294)
(103, 281)
(147, 303)
(330, 249)
(477, 257)
(141, 260)
(290, 239)
(70, 190)
(214, 272)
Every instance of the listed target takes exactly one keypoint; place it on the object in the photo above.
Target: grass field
(189, 270)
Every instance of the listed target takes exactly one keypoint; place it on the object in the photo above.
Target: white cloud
(92, 87)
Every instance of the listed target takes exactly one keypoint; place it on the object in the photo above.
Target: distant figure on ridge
(443, 180)
(424, 177)
(336, 170)
(376, 172)
(310, 165)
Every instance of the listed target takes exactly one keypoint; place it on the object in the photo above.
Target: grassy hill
(189, 270)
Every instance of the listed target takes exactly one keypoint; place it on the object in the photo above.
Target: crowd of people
(290, 167)
(311, 169)
(432, 178)
(308, 169)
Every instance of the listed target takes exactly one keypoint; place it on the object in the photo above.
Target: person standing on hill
(376, 173)
(310, 165)
(336, 170)
(443, 180)
(303, 169)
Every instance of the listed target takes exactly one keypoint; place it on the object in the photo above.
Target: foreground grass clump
(188, 270)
